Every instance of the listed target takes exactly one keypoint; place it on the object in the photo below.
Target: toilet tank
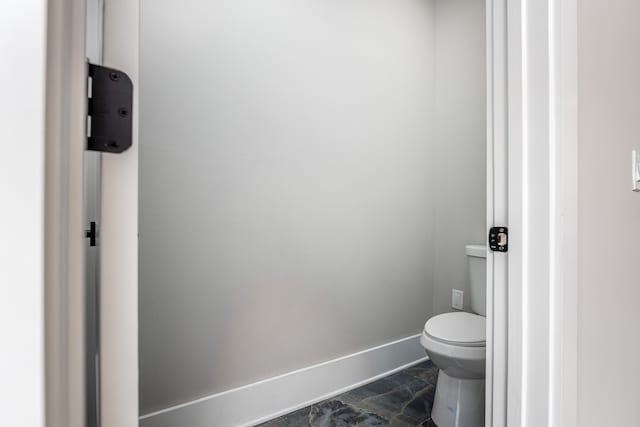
(476, 259)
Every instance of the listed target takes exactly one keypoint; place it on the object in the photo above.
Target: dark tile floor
(403, 399)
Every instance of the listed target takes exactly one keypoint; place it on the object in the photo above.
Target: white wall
(22, 117)
(459, 144)
(286, 194)
(609, 213)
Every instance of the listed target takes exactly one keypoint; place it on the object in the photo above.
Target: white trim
(64, 220)
(514, 124)
(542, 70)
(119, 237)
(497, 212)
(267, 399)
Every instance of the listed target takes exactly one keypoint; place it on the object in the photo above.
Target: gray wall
(291, 168)
(285, 186)
(459, 144)
(609, 216)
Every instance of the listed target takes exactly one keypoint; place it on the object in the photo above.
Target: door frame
(65, 140)
(532, 188)
(118, 294)
(532, 135)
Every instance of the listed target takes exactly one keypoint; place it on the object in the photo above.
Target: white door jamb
(119, 236)
(497, 212)
(541, 125)
(65, 139)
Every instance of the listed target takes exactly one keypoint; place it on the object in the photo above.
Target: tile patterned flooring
(403, 399)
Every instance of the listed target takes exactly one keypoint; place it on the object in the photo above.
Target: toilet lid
(459, 328)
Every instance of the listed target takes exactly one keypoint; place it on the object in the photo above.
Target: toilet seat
(456, 343)
(459, 329)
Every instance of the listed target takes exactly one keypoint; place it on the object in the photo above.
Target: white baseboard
(263, 400)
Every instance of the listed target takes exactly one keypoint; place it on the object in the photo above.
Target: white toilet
(456, 344)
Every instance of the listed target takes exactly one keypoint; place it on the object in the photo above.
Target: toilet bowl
(456, 344)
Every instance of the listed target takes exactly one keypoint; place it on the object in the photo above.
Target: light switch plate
(457, 298)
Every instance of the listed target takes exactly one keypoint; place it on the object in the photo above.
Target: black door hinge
(91, 233)
(110, 104)
(499, 239)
